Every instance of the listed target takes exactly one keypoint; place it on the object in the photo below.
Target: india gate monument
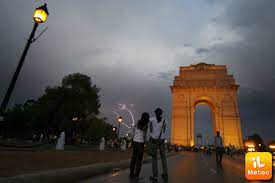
(211, 85)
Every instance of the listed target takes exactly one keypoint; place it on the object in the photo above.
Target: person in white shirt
(60, 141)
(157, 134)
(123, 145)
(139, 136)
(218, 143)
(102, 144)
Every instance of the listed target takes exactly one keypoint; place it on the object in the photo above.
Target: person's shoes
(153, 178)
(131, 176)
(165, 177)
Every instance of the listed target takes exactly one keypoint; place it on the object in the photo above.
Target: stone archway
(209, 84)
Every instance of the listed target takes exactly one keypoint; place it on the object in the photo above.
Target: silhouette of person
(139, 137)
(218, 143)
(157, 134)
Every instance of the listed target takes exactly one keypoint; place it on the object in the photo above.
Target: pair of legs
(159, 144)
(219, 152)
(136, 163)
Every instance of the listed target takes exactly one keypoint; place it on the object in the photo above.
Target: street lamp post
(119, 123)
(40, 15)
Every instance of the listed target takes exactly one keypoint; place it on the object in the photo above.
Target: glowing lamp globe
(40, 14)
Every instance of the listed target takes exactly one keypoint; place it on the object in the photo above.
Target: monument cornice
(204, 88)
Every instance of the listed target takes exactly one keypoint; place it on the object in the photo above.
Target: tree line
(73, 107)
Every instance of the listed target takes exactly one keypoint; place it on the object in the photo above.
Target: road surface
(186, 167)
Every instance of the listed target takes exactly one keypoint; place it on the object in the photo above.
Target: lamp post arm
(19, 66)
(34, 39)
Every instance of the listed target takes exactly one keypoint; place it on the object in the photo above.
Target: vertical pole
(118, 130)
(15, 76)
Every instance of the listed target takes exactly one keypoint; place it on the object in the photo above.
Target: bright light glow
(124, 107)
(75, 119)
(121, 122)
(272, 146)
(250, 145)
(114, 129)
(251, 149)
(40, 15)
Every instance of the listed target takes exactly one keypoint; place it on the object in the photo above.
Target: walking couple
(156, 127)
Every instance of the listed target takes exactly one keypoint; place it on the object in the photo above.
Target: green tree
(77, 97)
(19, 119)
(98, 128)
(86, 94)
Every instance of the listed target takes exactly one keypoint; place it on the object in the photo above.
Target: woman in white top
(139, 137)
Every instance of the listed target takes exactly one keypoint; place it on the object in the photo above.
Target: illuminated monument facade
(211, 85)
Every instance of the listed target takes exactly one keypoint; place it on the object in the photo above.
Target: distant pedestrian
(123, 145)
(233, 151)
(41, 137)
(60, 141)
(34, 137)
(112, 143)
(54, 139)
(130, 144)
(230, 149)
(139, 137)
(209, 151)
(219, 148)
(157, 134)
(102, 144)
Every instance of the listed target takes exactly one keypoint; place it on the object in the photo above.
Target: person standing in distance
(219, 148)
(157, 134)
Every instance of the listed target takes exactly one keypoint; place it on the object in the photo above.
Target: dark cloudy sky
(132, 50)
